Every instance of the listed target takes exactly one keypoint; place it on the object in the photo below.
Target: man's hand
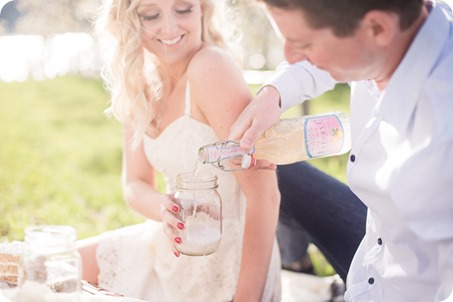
(262, 112)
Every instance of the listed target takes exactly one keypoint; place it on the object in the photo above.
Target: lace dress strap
(187, 108)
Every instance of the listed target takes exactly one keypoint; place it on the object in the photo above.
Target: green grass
(60, 157)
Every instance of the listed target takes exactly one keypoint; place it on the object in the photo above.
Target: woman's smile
(172, 42)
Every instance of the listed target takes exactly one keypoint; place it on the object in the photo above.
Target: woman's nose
(169, 25)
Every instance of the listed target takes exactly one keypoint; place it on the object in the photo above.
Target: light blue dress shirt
(401, 167)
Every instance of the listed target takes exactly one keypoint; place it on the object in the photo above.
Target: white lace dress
(137, 261)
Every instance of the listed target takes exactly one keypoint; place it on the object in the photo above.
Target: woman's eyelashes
(151, 16)
(185, 11)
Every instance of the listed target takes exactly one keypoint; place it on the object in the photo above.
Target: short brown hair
(343, 16)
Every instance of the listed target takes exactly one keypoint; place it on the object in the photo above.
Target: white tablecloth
(7, 295)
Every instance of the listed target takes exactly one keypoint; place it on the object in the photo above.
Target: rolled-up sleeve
(299, 82)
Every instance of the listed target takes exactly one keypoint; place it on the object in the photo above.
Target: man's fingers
(251, 136)
(239, 127)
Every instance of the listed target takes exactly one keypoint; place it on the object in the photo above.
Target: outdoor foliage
(60, 158)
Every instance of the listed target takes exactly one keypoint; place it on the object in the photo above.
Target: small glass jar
(51, 266)
(201, 212)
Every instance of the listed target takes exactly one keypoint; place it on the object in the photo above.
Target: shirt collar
(398, 101)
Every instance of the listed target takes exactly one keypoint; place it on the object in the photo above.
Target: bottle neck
(226, 156)
(220, 151)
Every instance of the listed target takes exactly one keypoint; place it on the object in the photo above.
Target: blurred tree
(8, 16)
(262, 47)
(45, 17)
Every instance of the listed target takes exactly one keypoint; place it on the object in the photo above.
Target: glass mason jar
(201, 212)
(51, 266)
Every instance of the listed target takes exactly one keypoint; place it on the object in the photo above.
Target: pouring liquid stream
(196, 170)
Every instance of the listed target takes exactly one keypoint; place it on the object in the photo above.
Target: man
(398, 57)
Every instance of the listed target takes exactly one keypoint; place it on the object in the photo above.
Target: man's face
(346, 58)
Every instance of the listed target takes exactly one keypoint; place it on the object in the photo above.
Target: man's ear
(381, 26)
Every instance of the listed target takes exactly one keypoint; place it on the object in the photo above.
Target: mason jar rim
(199, 177)
(57, 233)
(202, 180)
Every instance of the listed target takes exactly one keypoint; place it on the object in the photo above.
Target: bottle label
(323, 136)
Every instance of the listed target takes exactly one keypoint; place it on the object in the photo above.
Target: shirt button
(371, 280)
(352, 158)
(379, 241)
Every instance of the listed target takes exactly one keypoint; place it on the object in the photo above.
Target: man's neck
(399, 49)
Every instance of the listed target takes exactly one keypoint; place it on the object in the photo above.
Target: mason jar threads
(51, 266)
(201, 212)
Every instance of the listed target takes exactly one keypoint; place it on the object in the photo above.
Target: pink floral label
(323, 136)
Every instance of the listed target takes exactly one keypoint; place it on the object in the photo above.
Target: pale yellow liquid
(196, 170)
(284, 143)
(197, 167)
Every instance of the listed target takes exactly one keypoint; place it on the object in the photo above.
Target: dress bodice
(143, 251)
(175, 151)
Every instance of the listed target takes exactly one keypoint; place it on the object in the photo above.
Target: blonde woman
(175, 88)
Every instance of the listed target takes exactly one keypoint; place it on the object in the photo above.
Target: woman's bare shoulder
(218, 88)
(213, 61)
(209, 53)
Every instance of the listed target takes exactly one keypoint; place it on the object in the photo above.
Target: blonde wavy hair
(130, 72)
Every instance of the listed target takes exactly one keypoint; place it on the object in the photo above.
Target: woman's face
(172, 29)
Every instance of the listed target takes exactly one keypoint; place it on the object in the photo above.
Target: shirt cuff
(299, 82)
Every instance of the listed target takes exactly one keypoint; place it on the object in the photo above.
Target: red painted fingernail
(178, 240)
(175, 209)
(180, 225)
(176, 254)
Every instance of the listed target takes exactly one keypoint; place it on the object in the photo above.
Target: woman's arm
(139, 180)
(219, 94)
(263, 200)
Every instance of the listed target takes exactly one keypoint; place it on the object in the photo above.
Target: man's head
(343, 16)
(351, 39)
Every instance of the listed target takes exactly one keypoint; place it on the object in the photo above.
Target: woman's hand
(170, 208)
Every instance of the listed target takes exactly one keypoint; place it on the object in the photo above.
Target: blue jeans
(293, 241)
(326, 209)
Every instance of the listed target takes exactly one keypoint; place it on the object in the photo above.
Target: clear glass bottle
(288, 141)
(201, 212)
(51, 266)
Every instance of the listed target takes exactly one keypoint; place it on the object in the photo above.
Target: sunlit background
(60, 157)
(43, 39)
